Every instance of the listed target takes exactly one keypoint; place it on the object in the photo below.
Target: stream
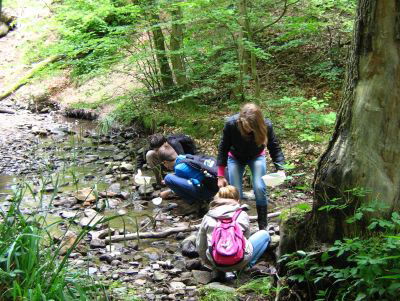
(73, 175)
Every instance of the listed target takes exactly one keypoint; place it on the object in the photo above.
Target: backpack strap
(236, 215)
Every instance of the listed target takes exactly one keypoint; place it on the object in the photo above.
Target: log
(31, 73)
(6, 111)
(167, 232)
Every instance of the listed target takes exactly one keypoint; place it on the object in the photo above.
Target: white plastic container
(157, 201)
(273, 179)
(140, 179)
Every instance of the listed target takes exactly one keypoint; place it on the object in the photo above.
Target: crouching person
(223, 240)
(194, 178)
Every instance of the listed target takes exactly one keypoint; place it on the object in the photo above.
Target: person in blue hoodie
(194, 178)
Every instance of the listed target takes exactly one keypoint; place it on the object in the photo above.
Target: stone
(97, 243)
(188, 247)
(115, 262)
(70, 214)
(114, 188)
(106, 257)
(85, 195)
(101, 234)
(126, 167)
(275, 239)
(131, 271)
(67, 242)
(65, 202)
(115, 276)
(158, 276)
(202, 277)
(92, 270)
(140, 282)
(193, 264)
(176, 285)
(145, 189)
(219, 286)
(113, 203)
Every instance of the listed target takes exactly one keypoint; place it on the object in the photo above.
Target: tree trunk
(162, 59)
(364, 149)
(176, 47)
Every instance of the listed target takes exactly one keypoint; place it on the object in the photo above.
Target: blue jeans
(258, 168)
(260, 241)
(187, 191)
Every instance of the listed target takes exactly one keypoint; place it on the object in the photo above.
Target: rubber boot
(262, 217)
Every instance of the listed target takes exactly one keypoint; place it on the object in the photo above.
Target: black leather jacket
(244, 149)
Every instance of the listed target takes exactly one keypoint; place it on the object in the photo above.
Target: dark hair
(157, 140)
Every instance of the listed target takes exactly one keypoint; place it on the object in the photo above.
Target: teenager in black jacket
(243, 142)
(173, 145)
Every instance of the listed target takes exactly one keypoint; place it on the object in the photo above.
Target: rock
(92, 270)
(114, 188)
(67, 202)
(70, 214)
(115, 262)
(3, 29)
(113, 203)
(181, 235)
(152, 253)
(125, 195)
(202, 277)
(97, 243)
(85, 195)
(106, 257)
(219, 286)
(158, 276)
(126, 167)
(275, 239)
(101, 234)
(176, 285)
(90, 221)
(188, 247)
(67, 242)
(107, 194)
(140, 282)
(115, 276)
(145, 189)
(131, 272)
(193, 264)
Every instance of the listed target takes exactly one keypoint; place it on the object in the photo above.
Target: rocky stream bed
(77, 177)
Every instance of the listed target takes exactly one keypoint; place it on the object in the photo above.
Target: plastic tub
(273, 179)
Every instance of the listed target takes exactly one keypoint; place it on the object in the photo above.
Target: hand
(165, 194)
(281, 173)
(222, 182)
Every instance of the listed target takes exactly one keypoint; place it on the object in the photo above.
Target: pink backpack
(228, 243)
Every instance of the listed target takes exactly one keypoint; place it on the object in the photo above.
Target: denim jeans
(260, 241)
(187, 191)
(258, 168)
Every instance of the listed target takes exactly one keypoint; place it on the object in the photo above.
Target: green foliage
(216, 295)
(354, 268)
(262, 287)
(93, 34)
(309, 119)
(296, 211)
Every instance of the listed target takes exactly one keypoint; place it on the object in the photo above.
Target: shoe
(262, 217)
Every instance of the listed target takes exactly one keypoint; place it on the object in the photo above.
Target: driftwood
(32, 72)
(167, 232)
(6, 111)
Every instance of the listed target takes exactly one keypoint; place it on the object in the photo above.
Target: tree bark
(159, 44)
(364, 149)
(176, 43)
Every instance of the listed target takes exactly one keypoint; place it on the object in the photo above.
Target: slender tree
(176, 42)
(364, 150)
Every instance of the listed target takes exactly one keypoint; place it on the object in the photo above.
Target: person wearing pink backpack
(223, 240)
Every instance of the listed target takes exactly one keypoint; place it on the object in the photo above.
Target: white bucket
(273, 179)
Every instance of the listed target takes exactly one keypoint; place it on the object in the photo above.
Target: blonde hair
(228, 192)
(250, 120)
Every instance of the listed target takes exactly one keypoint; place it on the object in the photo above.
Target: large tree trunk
(176, 47)
(365, 148)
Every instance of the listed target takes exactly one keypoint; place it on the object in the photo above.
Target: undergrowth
(365, 267)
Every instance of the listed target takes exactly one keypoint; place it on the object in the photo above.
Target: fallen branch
(162, 234)
(25, 79)
(167, 232)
